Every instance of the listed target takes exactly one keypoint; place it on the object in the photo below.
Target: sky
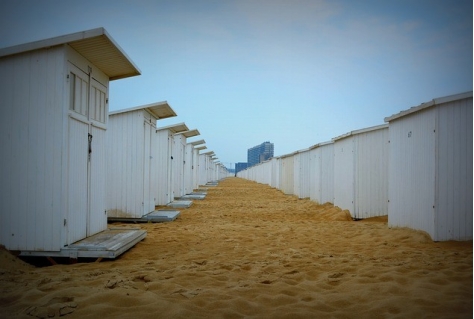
(295, 73)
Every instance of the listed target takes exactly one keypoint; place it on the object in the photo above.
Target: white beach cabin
(132, 159)
(205, 167)
(302, 166)
(430, 168)
(188, 164)
(54, 114)
(196, 147)
(287, 173)
(361, 172)
(164, 169)
(322, 173)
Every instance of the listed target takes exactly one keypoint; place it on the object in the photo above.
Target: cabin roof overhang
(160, 110)
(191, 133)
(175, 128)
(199, 142)
(96, 45)
(210, 153)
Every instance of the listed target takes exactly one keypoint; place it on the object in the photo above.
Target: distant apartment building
(259, 153)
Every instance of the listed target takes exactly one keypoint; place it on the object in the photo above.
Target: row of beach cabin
(416, 168)
(68, 164)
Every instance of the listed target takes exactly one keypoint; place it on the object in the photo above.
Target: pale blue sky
(295, 73)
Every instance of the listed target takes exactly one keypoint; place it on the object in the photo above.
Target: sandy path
(248, 250)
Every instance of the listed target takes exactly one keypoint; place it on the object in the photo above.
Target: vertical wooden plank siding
(453, 219)
(287, 175)
(30, 200)
(412, 171)
(371, 173)
(125, 169)
(98, 207)
(344, 173)
(315, 175)
(327, 173)
(304, 172)
(163, 168)
(188, 167)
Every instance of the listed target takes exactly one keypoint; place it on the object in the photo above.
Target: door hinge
(65, 221)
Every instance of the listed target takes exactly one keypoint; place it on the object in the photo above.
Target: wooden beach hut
(182, 163)
(188, 165)
(322, 173)
(361, 172)
(287, 174)
(302, 164)
(196, 147)
(164, 168)
(132, 159)
(430, 168)
(54, 117)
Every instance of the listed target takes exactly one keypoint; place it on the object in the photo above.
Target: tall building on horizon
(240, 167)
(259, 153)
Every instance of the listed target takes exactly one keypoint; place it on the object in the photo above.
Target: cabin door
(148, 189)
(86, 157)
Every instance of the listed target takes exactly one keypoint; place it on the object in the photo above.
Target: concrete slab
(164, 215)
(157, 216)
(212, 184)
(181, 204)
(193, 196)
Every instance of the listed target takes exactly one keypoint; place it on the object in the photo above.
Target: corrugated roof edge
(321, 144)
(436, 101)
(364, 130)
(68, 38)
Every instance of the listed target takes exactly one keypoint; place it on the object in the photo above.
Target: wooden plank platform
(157, 216)
(109, 243)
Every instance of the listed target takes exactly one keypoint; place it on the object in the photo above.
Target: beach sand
(249, 251)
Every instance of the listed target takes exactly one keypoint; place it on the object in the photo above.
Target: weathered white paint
(52, 188)
(361, 172)
(430, 168)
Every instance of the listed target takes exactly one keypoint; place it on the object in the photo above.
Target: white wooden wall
(344, 174)
(430, 171)
(44, 207)
(164, 192)
(302, 164)
(130, 190)
(188, 168)
(322, 173)
(287, 180)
